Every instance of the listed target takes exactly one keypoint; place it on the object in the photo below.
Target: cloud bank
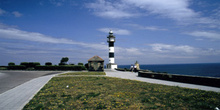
(107, 9)
(12, 33)
(177, 10)
(115, 31)
(16, 14)
(205, 34)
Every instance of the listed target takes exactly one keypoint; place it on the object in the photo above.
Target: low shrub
(48, 64)
(3, 67)
(24, 64)
(83, 67)
(33, 64)
(81, 64)
(16, 67)
(61, 67)
(86, 66)
(11, 64)
(30, 64)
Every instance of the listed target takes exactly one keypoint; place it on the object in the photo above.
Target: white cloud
(3, 26)
(2, 12)
(175, 9)
(151, 28)
(217, 12)
(115, 31)
(166, 48)
(17, 14)
(11, 33)
(182, 50)
(57, 2)
(205, 34)
(107, 9)
(128, 51)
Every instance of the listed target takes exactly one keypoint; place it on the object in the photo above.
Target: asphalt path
(11, 79)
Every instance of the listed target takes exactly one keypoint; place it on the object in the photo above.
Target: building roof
(96, 58)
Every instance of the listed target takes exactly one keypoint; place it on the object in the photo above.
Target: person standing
(131, 68)
(135, 68)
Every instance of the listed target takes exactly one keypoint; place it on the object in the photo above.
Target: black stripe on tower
(111, 44)
(111, 55)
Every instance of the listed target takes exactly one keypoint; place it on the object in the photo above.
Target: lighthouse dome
(110, 32)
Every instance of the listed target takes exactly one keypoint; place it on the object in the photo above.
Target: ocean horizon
(195, 69)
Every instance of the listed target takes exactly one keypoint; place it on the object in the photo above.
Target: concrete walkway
(134, 76)
(16, 98)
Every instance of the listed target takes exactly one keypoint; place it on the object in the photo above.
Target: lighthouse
(111, 40)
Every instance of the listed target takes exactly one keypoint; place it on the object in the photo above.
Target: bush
(86, 66)
(30, 64)
(16, 67)
(11, 64)
(62, 67)
(24, 64)
(3, 68)
(33, 64)
(48, 63)
(62, 63)
(83, 67)
(81, 64)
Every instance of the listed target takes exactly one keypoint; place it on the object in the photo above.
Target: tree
(48, 63)
(64, 61)
(80, 64)
(11, 64)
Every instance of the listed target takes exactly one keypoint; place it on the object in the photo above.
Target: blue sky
(149, 31)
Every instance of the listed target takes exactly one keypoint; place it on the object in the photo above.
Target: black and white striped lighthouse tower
(111, 40)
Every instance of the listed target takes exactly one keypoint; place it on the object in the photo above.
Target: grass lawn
(114, 93)
(85, 73)
(3, 68)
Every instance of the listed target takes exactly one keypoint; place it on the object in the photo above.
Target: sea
(201, 69)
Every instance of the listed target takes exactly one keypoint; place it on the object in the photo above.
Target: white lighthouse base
(112, 66)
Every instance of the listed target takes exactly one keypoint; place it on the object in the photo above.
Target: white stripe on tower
(111, 49)
(111, 60)
(111, 55)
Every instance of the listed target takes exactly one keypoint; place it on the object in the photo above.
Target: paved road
(11, 79)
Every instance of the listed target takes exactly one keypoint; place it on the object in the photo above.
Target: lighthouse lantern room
(111, 40)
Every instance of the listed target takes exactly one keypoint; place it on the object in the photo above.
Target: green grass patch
(113, 93)
(85, 73)
(3, 68)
